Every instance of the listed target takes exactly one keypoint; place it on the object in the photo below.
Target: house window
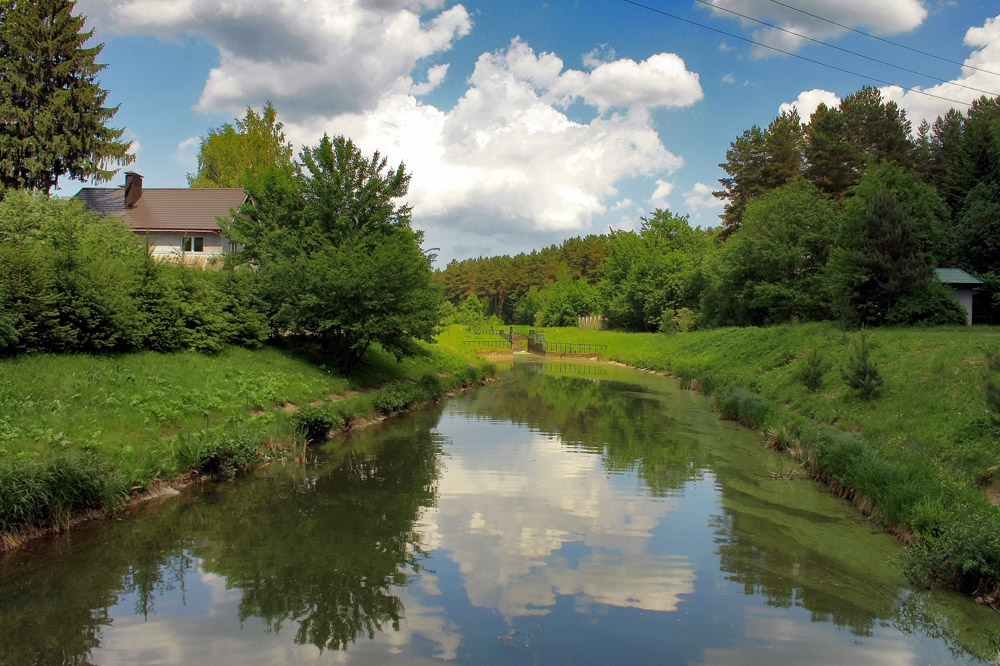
(194, 244)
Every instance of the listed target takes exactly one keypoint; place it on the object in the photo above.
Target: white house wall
(166, 245)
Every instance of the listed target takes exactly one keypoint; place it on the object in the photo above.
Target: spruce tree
(52, 113)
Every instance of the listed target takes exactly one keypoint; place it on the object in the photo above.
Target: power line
(838, 48)
(789, 53)
(887, 41)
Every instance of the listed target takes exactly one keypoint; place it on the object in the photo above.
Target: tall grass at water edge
(916, 458)
(84, 432)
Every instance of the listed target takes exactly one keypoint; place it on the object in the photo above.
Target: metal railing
(484, 345)
(576, 348)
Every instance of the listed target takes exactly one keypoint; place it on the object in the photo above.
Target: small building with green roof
(961, 284)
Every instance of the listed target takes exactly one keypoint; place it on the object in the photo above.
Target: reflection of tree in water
(772, 563)
(793, 559)
(629, 426)
(321, 546)
(53, 610)
(327, 553)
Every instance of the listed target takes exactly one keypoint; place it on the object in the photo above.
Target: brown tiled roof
(166, 208)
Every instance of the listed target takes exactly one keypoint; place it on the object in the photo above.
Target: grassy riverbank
(84, 432)
(921, 458)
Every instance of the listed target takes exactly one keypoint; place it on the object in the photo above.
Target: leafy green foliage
(646, 273)
(759, 161)
(70, 282)
(336, 256)
(771, 269)
(565, 300)
(861, 374)
(230, 156)
(52, 115)
(510, 287)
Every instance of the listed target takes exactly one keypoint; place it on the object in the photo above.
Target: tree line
(843, 217)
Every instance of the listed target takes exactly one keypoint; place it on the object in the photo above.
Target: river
(569, 513)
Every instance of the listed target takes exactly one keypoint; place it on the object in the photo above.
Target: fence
(486, 345)
(576, 348)
(592, 322)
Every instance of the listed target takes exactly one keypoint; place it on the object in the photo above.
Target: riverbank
(921, 459)
(82, 436)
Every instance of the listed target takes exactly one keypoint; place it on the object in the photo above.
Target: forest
(842, 217)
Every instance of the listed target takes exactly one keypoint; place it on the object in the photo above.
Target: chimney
(133, 188)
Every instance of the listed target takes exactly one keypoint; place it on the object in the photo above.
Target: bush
(394, 397)
(315, 422)
(861, 374)
(932, 305)
(811, 371)
(430, 386)
(668, 321)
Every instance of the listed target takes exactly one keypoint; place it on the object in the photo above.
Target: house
(961, 284)
(176, 223)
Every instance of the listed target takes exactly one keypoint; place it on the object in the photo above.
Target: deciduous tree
(229, 155)
(337, 258)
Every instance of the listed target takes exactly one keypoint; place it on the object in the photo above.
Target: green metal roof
(955, 276)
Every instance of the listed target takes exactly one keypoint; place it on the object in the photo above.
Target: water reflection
(570, 513)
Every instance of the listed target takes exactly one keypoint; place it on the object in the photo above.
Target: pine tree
(52, 113)
(861, 374)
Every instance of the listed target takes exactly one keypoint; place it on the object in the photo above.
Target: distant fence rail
(539, 345)
(486, 345)
(576, 348)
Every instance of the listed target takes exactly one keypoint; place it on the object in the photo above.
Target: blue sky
(524, 122)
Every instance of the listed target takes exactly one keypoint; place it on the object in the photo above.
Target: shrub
(811, 371)
(686, 320)
(394, 397)
(314, 422)
(668, 321)
(861, 374)
(431, 387)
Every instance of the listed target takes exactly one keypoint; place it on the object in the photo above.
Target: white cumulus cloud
(885, 17)
(699, 198)
(808, 101)
(307, 57)
(976, 73)
(660, 194)
(507, 159)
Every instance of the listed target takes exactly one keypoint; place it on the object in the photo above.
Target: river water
(570, 513)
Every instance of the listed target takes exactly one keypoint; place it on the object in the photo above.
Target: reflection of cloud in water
(495, 521)
(777, 640)
(220, 638)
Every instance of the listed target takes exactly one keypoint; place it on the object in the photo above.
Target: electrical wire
(794, 55)
(843, 50)
(887, 41)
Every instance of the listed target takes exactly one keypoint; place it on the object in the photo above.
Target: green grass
(916, 455)
(82, 432)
